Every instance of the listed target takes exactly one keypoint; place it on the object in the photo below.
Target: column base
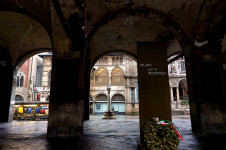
(65, 119)
(109, 115)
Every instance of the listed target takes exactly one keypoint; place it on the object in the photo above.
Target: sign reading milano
(154, 99)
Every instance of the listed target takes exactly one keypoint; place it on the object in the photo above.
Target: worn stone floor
(119, 134)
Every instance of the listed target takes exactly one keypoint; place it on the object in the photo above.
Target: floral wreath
(161, 134)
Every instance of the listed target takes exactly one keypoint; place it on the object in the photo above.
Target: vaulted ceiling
(107, 25)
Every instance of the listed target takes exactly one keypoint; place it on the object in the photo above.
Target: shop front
(100, 107)
(31, 111)
(118, 107)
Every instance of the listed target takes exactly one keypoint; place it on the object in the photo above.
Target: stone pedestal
(109, 115)
(153, 81)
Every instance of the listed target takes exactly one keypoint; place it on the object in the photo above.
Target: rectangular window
(132, 95)
(183, 69)
(39, 76)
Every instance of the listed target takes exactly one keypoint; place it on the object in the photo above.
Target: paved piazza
(119, 134)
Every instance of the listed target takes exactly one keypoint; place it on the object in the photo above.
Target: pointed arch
(117, 77)
(102, 77)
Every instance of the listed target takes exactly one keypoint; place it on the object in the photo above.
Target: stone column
(127, 103)
(69, 77)
(13, 92)
(178, 103)
(109, 114)
(109, 79)
(87, 89)
(93, 107)
(171, 94)
(66, 108)
(178, 95)
(109, 98)
(128, 91)
(204, 74)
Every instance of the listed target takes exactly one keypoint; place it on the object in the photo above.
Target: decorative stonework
(133, 82)
(174, 82)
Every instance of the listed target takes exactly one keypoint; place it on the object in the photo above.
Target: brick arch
(169, 23)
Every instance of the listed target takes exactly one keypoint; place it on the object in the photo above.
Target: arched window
(113, 60)
(39, 76)
(49, 78)
(117, 61)
(132, 95)
(102, 77)
(105, 59)
(101, 97)
(183, 68)
(19, 98)
(121, 61)
(118, 97)
(20, 80)
(117, 77)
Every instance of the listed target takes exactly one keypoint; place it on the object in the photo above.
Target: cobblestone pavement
(119, 134)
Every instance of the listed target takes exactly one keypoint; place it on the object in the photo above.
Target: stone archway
(114, 38)
(18, 39)
(126, 79)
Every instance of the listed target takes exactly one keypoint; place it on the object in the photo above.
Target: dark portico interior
(79, 32)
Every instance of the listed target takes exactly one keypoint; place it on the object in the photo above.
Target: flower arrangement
(161, 134)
